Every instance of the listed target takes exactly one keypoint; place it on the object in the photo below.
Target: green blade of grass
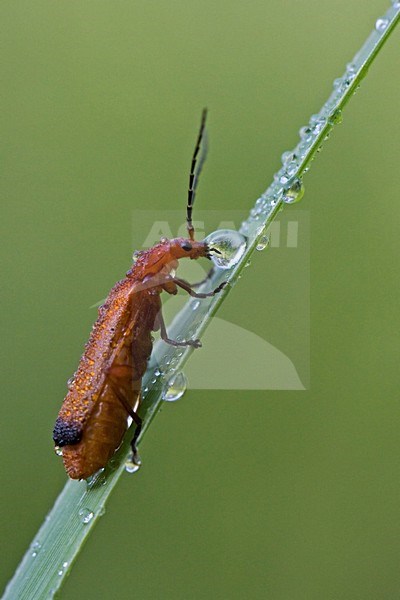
(79, 506)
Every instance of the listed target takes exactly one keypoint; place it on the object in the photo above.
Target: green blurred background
(265, 494)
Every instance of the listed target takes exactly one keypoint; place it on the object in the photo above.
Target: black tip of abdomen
(66, 434)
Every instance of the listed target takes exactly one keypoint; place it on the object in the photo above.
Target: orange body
(93, 418)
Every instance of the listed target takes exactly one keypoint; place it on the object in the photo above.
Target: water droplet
(294, 193)
(318, 127)
(196, 305)
(351, 68)
(263, 242)
(175, 387)
(336, 117)
(35, 549)
(157, 372)
(71, 381)
(102, 479)
(283, 177)
(396, 3)
(248, 263)
(305, 133)
(58, 450)
(381, 24)
(288, 156)
(291, 167)
(342, 83)
(226, 247)
(133, 463)
(86, 515)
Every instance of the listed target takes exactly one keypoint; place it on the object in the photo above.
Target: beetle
(106, 388)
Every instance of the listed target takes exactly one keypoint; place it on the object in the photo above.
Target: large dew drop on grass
(294, 192)
(175, 387)
(226, 247)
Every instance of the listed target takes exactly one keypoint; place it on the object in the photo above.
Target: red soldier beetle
(106, 388)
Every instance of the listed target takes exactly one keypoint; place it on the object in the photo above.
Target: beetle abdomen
(103, 434)
(93, 418)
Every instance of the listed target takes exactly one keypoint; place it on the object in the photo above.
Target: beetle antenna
(195, 171)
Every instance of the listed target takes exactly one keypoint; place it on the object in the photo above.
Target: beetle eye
(186, 246)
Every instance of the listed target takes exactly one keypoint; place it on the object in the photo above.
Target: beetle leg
(188, 288)
(135, 456)
(170, 286)
(164, 335)
(113, 374)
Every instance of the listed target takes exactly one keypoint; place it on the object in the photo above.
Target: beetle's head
(186, 248)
